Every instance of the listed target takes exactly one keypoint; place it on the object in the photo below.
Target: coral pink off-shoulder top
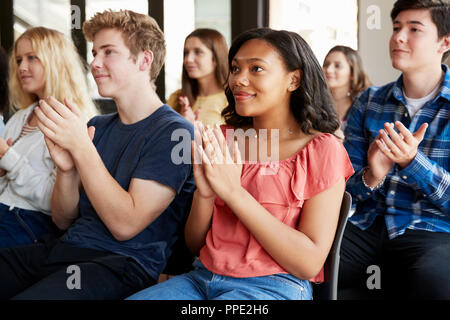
(281, 188)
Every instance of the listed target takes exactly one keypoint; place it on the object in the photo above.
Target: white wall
(374, 31)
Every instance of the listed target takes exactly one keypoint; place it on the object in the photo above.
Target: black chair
(328, 289)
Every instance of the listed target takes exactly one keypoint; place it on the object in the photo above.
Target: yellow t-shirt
(210, 106)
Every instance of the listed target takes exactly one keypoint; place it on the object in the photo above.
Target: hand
(186, 110)
(63, 124)
(61, 157)
(222, 171)
(401, 147)
(4, 146)
(9, 143)
(379, 163)
(203, 187)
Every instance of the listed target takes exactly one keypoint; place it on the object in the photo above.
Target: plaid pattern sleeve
(415, 197)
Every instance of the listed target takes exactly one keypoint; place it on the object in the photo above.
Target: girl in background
(205, 71)
(43, 63)
(346, 78)
(263, 229)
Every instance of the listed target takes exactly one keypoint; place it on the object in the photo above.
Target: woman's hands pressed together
(219, 171)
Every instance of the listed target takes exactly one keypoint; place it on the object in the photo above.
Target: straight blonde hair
(64, 72)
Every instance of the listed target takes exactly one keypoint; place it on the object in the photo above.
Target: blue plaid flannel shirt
(416, 197)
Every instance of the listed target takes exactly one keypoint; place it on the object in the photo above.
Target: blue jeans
(21, 227)
(202, 284)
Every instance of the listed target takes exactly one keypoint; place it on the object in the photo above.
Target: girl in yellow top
(205, 70)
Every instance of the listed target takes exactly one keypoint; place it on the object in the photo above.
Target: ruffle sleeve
(320, 165)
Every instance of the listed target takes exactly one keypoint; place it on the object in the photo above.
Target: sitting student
(205, 72)
(346, 78)
(402, 181)
(120, 198)
(263, 229)
(43, 62)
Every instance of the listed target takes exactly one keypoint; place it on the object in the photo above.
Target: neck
(284, 121)
(419, 84)
(137, 103)
(342, 100)
(208, 85)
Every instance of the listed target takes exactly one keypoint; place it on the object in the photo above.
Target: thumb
(9, 142)
(91, 132)
(420, 133)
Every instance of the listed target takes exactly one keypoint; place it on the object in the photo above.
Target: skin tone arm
(300, 251)
(125, 213)
(391, 147)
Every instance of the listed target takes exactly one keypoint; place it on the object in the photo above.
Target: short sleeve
(166, 158)
(322, 164)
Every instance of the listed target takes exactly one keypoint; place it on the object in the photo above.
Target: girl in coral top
(263, 226)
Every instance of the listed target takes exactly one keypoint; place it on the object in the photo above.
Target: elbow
(123, 235)
(62, 224)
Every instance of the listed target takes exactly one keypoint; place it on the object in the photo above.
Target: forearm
(65, 198)
(199, 222)
(290, 248)
(114, 205)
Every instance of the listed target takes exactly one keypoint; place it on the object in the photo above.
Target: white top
(414, 105)
(30, 171)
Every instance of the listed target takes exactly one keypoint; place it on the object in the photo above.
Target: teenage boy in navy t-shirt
(121, 196)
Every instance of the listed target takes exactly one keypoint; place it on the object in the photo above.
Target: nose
(189, 57)
(23, 66)
(399, 36)
(96, 63)
(239, 79)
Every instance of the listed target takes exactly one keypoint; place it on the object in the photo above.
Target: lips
(242, 95)
(100, 76)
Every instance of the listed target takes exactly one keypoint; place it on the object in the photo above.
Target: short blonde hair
(64, 72)
(140, 32)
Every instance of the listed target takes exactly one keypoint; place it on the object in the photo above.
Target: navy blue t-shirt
(143, 150)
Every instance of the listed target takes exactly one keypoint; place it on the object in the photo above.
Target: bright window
(322, 23)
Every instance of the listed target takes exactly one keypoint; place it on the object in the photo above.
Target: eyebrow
(103, 47)
(27, 53)
(410, 22)
(251, 60)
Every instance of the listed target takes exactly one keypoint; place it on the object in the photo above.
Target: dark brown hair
(215, 42)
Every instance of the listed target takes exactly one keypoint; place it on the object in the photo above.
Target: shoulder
(167, 120)
(102, 120)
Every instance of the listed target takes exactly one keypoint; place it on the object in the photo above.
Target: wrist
(206, 198)
(372, 181)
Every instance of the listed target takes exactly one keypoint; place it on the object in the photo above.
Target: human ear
(295, 80)
(445, 44)
(146, 60)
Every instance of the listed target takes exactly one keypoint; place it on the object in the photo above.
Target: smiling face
(337, 70)
(198, 59)
(259, 80)
(113, 67)
(414, 43)
(30, 69)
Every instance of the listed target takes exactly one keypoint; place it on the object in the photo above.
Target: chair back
(328, 289)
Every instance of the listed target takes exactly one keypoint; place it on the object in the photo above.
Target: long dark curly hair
(311, 103)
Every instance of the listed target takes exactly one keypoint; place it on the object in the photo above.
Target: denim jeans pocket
(303, 288)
